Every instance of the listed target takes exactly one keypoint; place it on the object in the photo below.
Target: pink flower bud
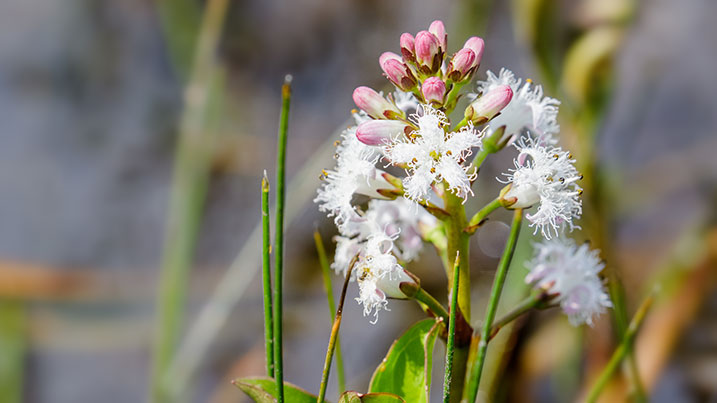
(477, 45)
(439, 30)
(399, 74)
(374, 104)
(428, 51)
(433, 89)
(380, 132)
(462, 65)
(408, 49)
(387, 56)
(490, 104)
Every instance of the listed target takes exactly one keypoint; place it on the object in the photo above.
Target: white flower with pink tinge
(528, 109)
(570, 274)
(431, 155)
(545, 176)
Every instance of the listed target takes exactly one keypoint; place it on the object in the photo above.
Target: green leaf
(263, 390)
(406, 370)
(356, 397)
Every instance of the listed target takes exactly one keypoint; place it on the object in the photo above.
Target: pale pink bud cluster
(398, 72)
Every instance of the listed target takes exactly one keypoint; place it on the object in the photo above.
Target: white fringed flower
(355, 172)
(401, 218)
(545, 175)
(378, 274)
(388, 231)
(432, 155)
(528, 108)
(570, 273)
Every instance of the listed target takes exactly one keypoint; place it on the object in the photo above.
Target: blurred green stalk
(189, 186)
(326, 273)
(622, 350)
(279, 237)
(12, 350)
(266, 277)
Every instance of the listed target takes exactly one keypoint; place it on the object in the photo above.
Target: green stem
(478, 217)
(432, 303)
(458, 244)
(279, 240)
(533, 301)
(326, 273)
(477, 368)
(334, 334)
(266, 277)
(621, 351)
(450, 343)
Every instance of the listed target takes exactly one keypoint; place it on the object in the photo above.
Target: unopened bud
(477, 45)
(408, 49)
(400, 285)
(462, 65)
(439, 30)
(374, 104)
(380, 132)
(488, 105)
(399, 74)
(433, 89)
(428, 52)
(388, 56)
(523, 196)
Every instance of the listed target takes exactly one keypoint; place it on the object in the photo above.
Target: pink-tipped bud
(388, 56)
(374, 104)
(399, 74)
(477, 45)
(380, 132)
(428, 52)
(490, 104)
(462, 65)
(408, 48)
(439, 30)
(434, 89)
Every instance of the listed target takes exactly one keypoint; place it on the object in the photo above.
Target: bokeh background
(134, 133)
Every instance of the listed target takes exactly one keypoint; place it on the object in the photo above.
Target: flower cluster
(409, 130)
(570, 274)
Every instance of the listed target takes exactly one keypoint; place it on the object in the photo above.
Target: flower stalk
(326, 273)
(476, 368)
(333, 338)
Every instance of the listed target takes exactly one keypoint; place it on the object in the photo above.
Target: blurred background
(133, 135)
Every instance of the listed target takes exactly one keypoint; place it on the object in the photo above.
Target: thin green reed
(266, 276)
(279, 237)
(326, 273)
(450, 343)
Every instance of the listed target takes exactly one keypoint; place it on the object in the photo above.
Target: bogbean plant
(410, 131)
